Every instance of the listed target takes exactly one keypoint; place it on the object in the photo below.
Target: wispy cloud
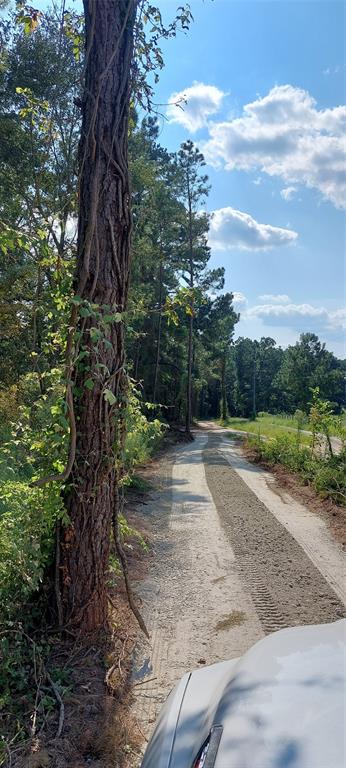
(277, 298)
(284, 134)
(334, 70)
(235, 229)
(288, 193)
(239, 298)
(299, 316)
(193, 106)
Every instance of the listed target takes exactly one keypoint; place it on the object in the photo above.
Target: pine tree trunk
(189, 379)
(104, 230)
(158, 346)
(190, 336)
(223, 390)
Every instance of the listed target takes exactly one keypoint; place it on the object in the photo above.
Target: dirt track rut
(225, 572)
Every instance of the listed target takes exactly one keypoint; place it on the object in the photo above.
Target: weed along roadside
(313, 446)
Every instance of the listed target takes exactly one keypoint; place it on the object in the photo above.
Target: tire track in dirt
(286, 587)
(193, 601)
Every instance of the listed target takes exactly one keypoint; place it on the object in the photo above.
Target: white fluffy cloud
(193, 106)
(277, 298)
(284, 134)
(234, 229)
(239, 298)
(300, 316)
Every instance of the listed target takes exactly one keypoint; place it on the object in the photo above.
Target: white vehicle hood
(282, 705)
(286, 704)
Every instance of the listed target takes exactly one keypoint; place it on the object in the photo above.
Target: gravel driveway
(227, 567)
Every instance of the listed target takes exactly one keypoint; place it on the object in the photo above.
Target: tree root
(60, 702)
(123, 562)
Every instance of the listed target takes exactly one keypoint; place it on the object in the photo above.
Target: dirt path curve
(225, 571)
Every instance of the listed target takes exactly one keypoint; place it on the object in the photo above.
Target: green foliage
(26, 694)
(323, 421)
(305, 366)
(35, 432)
(327, 475)
(271, 425)
(129, 532)
(150, 32)
(143, 435)
(27, 17)
(27, 522)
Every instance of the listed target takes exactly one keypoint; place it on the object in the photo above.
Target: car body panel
(160, 747)
(282, 705)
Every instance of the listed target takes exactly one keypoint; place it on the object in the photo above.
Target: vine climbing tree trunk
(96, 367)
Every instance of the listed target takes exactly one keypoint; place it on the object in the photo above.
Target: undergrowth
(34, 442)
(29, 693)
(324, 473)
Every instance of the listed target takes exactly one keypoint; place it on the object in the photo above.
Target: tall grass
(325, 474)
(274, 425)
(268, 425)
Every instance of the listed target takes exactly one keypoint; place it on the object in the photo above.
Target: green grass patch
(268, 426)
(274, 425)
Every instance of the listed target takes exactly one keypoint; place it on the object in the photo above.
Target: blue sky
(265, 88)
(275, 166)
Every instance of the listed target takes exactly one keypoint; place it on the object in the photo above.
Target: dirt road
(234, 558)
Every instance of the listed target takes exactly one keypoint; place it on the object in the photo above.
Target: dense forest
(121, 350)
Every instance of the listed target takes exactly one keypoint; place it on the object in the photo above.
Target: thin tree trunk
(158, 346)
(190, 336)
(36, 331)
(104, 230)
(223, 390)
(329, 443)
(189, 378)
(137, 356)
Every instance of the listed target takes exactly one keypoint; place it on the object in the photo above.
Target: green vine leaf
(109, 396)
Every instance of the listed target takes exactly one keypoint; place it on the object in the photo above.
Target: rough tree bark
(104, 230)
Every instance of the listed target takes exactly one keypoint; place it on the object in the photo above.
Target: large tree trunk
(104, 230)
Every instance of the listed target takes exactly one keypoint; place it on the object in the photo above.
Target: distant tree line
(262, 376)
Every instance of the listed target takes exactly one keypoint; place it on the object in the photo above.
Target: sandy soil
(227, 568)
(307, 528)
